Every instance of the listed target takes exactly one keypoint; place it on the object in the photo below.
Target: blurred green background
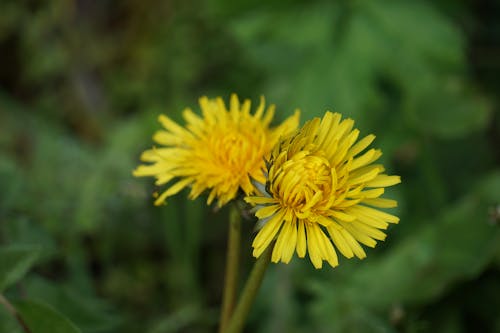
(81, 85)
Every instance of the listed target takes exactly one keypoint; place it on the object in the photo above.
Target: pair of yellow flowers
(315, 189)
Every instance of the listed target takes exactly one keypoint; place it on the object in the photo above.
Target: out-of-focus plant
(81, 86)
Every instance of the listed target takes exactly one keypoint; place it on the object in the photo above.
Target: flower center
(236, 151)
(304, 182)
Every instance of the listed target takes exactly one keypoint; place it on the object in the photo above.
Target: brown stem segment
(13, 312)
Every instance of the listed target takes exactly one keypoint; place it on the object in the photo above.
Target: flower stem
(250, 291)
(13, 312)
(232, 266)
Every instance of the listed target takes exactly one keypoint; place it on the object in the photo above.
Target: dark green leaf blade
(15, 261)
(41, 318)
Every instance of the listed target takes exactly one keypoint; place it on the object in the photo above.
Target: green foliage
(84, 309)
(80, 90)
(16, 261)
(41, 318)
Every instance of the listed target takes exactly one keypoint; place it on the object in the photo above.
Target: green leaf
(15, 261)
(180, 319)
(446, 109)
(41, 318)
(81, 306)
(8, 323)
(24, 231)
(397, 21)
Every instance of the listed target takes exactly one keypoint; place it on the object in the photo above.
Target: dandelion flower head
(323, 194)
(218, 151)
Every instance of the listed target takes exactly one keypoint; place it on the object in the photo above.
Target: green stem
(250, 291)
(232, 266)
(13, 312)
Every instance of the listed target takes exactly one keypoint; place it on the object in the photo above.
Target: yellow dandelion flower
(322, 194)
(218, 152)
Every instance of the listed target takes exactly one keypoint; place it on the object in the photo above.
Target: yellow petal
(363, 178)
(163, 179)
(172, 126)
(342, 216)
(289, 247)
(301, 239)
(374, 221)
(260, 108)
(353, 244)
(367, 158)
(267, 211)
(161, 199)
(384, 181)
(174, 189)
(360, 146)
(166, 138)
(324, 221)
(381, 202)
(371, 212)
(257, 200)
(327, 122)
(375, 193)
(147, 170)
(284, 240)
(360, 236)
(267, 233)
(340, 242)
(369, 230)
(326, 247)
(313, 247)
